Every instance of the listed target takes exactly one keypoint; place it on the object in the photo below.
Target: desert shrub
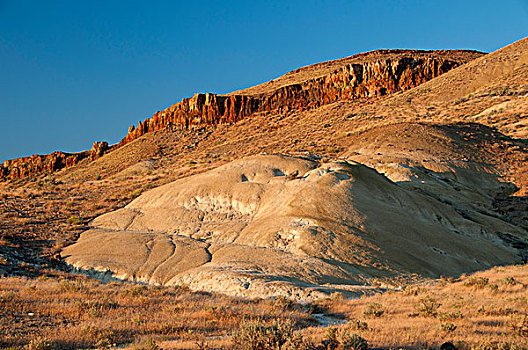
(344, 339)
(74, 220)
(427, 307)
(258, 335)
(105, 339)
(373, 310)
(132, 195)
(357, 325)
(352, 341)
(450, 316)
(148, 344)
(494, 345)
(521, 328)
(413, 291)
(337, 296)
(72, 287)
(448, 327)
(477, 282)
(296, 342)
(330, 342)
(283, 303)
(136, 291)
(40, 344)
(510, 281)
(96, 308)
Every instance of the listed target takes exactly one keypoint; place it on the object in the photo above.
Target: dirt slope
(338, 223)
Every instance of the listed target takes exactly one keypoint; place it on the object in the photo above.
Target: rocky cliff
(351, 81)
(38, 164)
(365, 76)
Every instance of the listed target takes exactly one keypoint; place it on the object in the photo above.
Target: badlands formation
(372, 170)
(277, 225)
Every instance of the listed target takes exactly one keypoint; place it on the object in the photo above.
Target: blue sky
(73, 72)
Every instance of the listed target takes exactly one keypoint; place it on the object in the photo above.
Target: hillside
(323, 180)
(365, 75)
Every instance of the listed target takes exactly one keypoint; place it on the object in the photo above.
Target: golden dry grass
(77, 312)
(484, 309)
(487, 310)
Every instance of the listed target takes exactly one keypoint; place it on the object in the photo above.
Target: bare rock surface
(279, 225)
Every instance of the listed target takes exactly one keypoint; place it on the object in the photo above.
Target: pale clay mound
(277, 225)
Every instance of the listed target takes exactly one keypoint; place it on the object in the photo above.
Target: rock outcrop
(352, 81)
(39, 164)
(366, 75)
(98, 149)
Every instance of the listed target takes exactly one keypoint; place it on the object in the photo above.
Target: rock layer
(38, 164)
(351, 81)
(337, 223)
(362, 76)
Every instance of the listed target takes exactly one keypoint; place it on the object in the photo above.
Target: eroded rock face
(351, 81)
(98, 149)
(38, 164)
(391, 71)
(277, 225)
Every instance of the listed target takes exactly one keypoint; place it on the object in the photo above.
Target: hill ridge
(377, 77)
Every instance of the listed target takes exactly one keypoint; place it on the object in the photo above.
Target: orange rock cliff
(392, 71)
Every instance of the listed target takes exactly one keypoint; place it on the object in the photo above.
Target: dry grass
(76, 312)
(468, 312)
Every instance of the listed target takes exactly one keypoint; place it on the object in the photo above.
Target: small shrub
(105, 339)
(448, 327)
(373, 310)
(450, 316)
(331, 342)
(74, 220)
(40, 344)
(357, 325)
(283, 303)
(521, 329)
(412, 291)
(72, 287)
(258, 335)
(352, 341)
(427, 307)
(477, 282)
(494, 345)
(296, 342)
(96, 308)
(510, 281)
(136, 291)
(148, 344)
(133, 194)
(494, 287)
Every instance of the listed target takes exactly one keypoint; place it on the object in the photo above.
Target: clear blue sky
(72, 72)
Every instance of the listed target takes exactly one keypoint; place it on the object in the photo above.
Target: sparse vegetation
(256, 334)
(373, 310)
(134, 194)
(49, 309)
(83, 313)
(477, 282)
(428, 307)
(74, 220)
(448, 327)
